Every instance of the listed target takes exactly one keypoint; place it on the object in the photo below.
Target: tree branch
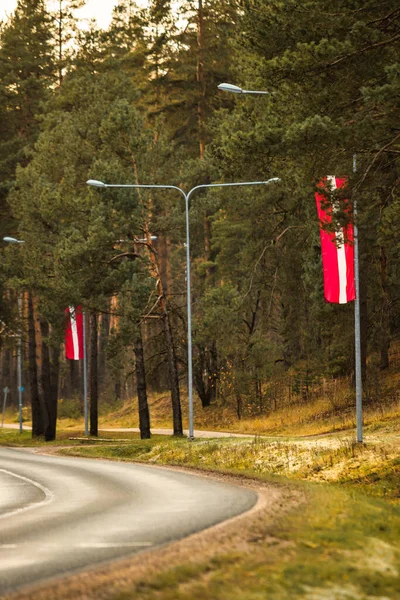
(362, 50)
(130, 255)
(377, 155)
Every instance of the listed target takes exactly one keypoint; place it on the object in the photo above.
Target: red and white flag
(74, 333)
(337, 248)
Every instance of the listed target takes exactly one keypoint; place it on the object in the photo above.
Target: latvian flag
(74, 333)
(337, 248)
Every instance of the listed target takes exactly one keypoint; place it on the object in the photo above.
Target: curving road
(58, 514)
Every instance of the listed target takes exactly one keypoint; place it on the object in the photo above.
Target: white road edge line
(49, 496)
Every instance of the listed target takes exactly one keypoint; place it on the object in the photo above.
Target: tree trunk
(173, 375)
(60, 43)
(74, 377)
(201, 78)
(363, 324)
(37, 414)
(54, 376)
(14, 378)
(7, 374)
(93, 383)
(103, 339)
(259, 396)
(238, 405)
(172, 361)
(164, 253)
(144, 415)
(384, 337)
(169, 338)
(47, 386)
(206, 374)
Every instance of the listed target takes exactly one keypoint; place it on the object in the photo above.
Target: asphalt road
(59, 515)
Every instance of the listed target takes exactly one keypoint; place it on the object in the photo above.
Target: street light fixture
(12, 240)
(95, 183)
(101, 184)
(228, 87)
(235, 89)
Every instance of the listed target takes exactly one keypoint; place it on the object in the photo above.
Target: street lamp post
(357, 322)
(229, 87)
(12, 240)
(187, 196)
(85, 394)
(20, 388)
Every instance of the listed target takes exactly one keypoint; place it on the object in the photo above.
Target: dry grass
(303, 418)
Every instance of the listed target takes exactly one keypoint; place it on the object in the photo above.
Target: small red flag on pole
(337, 249)
(74, 333)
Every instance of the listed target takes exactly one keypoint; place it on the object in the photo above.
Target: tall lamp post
(12, 240)
(357, 321)
(235, 89)
(101, 184)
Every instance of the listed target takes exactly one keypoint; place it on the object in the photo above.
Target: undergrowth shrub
(69, 409)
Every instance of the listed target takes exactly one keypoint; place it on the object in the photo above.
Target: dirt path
(197, 432)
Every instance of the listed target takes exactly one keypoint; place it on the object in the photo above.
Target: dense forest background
(139, 103)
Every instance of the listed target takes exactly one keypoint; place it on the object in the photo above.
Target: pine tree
(331, 78)
(65, 32)
(27, 72)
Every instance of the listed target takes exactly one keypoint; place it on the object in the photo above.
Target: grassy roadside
(332, 549)
(65, 437)
(343, 543)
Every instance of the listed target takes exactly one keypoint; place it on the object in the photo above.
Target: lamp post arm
(242, 183)
(144, 186)
(257, 92)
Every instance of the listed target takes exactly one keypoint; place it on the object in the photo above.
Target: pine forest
(138, 104)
